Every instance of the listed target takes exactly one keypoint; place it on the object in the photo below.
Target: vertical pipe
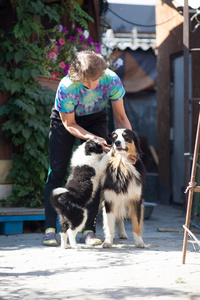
(186, 88)
(186, 105)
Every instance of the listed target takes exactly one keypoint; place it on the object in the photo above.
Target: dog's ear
(90, 147)
(137, 143)
(109, 139)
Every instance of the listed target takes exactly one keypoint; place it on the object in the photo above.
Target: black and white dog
(122, 187)
(88, 164)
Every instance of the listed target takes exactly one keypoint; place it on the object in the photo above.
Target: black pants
(60, 149)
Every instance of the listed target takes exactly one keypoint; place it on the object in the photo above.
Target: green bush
(27, 124)
(28, 109)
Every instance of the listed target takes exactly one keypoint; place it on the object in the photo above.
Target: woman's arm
(72, 127)
(120, 116)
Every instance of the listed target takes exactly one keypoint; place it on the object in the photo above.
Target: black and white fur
(122, 187)
(88, 165)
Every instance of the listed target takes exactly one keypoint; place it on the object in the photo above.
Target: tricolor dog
(122, 187)
(88, 165)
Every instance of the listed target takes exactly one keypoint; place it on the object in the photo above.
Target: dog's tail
(56, 198)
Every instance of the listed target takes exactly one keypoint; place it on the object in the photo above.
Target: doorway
(177, 128)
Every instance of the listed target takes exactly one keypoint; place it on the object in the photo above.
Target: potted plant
(59, 49)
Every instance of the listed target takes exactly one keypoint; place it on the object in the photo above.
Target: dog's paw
(66, 246)
(106, 245)
(77, 247)
(140, 245)
(123, 235)
(139, 241)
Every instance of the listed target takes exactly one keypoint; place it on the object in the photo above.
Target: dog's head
(125, 141)
(92, 146)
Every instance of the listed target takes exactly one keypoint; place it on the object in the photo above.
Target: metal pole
(186, 88)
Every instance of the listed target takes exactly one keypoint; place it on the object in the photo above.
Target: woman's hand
(133, 159)
(105, 146)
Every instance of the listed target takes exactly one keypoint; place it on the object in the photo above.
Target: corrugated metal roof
(132, 40)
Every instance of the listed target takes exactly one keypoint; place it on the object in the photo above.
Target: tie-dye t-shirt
(76, 98)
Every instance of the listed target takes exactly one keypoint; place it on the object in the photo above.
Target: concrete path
(29, 270)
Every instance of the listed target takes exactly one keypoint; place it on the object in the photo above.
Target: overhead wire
(140, 25)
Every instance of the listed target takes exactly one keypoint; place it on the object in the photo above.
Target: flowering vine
(59, 50)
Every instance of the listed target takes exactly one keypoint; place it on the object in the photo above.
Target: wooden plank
(175, 230)
(17, 211)
(154, 154)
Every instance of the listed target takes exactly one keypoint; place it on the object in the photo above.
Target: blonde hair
(87, 65)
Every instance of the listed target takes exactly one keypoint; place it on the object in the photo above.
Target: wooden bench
(12, 218)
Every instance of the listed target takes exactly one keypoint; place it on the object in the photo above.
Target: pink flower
(90, 41)
(66, 69)
(52, 55)
(81, 38)
(72, 39)
(62, 65)
(98, 48)
(61, 41)
(79, 30)
(55, 49)
(54, 75)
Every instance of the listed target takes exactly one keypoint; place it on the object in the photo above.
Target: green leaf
(9, 56)
(2, 71)
(6, 43)
(8, 126)
(20, 31)
(35, 73)
(7, 84)
(26, 74)
(15, 87)
(28, 32)
(25, 107)
(19, 12)
(35, 26)
(18, 73)
(26, 132)
(18, 56)
(42, 175)
(4, 110)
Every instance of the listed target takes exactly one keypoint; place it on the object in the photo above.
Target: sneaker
(49, 238)
(89, 238)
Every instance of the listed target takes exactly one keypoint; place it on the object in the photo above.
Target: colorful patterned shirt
(77, 98)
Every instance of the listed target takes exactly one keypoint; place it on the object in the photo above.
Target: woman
(80, 111)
